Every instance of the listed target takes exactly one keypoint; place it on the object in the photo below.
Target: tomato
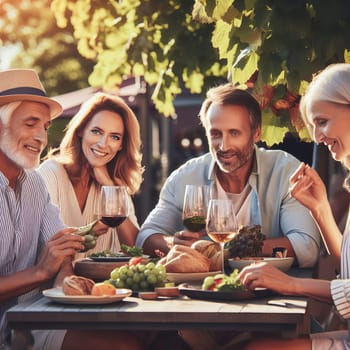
(135, 260)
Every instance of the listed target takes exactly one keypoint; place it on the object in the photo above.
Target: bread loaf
(77, 285)
(212, 251)
(185, 259)
(207, 248)
(216, 262)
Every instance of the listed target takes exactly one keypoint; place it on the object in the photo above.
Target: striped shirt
(340, 288)
(27, 220)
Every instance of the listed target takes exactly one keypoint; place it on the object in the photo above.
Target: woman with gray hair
(325, 109)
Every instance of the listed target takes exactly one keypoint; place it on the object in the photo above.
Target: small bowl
(283, 264)
(148, 295)
(170, 292)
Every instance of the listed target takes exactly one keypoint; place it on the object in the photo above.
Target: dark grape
(248, 242)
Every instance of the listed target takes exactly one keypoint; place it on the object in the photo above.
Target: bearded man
(255, 178)
(35, 247)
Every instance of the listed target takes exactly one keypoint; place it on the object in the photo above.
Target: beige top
(62, 194)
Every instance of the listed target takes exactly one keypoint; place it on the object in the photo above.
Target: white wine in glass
(115, 205)
(195, 207)
(222, 223)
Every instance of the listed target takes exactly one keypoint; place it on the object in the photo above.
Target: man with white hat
(35, 245)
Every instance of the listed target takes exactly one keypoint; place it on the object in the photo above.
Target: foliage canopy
(272, 47)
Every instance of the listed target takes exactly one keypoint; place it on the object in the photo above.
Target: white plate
(284, 264)
(182, 277)
(56, 294)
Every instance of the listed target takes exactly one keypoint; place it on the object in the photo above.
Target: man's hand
(62, 245)
(187, 237)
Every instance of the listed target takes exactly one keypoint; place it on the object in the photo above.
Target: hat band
(25, 90)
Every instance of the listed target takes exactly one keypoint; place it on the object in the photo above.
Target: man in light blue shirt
(257, 178)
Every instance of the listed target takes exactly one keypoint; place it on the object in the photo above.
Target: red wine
(113, 221)
(194, 223)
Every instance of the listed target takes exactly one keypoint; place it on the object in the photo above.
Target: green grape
(120, 283)
(151, 265)
(141, 267)
(123, 269)
(147, 272)
(129, 281)
(115, 274)
(152, 279)
(144, 285)
(136, 277)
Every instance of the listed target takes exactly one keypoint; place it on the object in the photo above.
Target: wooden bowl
(97, 271)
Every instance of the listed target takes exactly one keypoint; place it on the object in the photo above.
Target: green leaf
(242, 75)
(272, 132)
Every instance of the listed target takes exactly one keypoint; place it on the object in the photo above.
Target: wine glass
(222, 225)
(195, 207)
(115, 206)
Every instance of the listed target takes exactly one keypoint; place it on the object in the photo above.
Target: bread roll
(185, 259)
(77, 285)
(216, 262)
(207, 248)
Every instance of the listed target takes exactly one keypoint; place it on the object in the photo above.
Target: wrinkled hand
(62, 245)
(187, 237)
(307, 187)
(264, 275)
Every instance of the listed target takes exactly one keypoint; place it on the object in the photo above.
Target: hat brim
(55, 108)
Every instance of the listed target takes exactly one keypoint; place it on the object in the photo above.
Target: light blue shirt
(27, 220)
(279, 213)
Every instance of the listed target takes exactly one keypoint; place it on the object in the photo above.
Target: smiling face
(230, 136)
(330, 125)
(102, 138)
(24, 137)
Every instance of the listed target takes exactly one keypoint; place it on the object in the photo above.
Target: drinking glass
(115, 206)
(195, 207)
(222, 223)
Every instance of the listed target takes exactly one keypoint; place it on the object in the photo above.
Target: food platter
(57, 295)
(194, 291)
(284, 264)
(181, 277)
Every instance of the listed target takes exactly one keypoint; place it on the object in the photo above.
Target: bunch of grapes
(139, 277)
(248, 242)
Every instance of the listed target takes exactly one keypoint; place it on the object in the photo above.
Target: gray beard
(7, 145)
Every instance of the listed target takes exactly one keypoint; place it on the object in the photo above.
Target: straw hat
(24, 85)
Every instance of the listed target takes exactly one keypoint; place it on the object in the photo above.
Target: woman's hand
(264, 275)
(100, 228)
(308, 188)
(61, 246)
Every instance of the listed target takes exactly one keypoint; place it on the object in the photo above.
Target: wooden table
(166, 314)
